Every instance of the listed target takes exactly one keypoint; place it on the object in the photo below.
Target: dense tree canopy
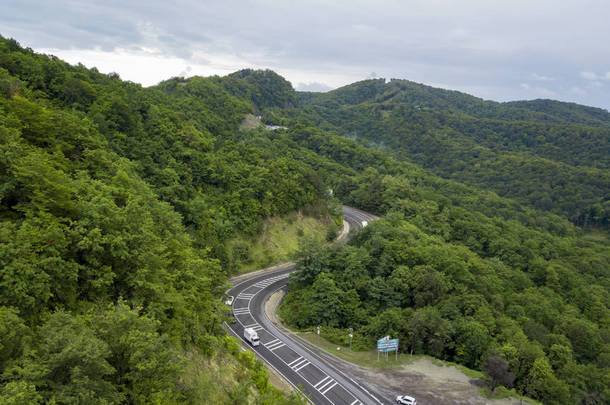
(550, 155)
(117, 203)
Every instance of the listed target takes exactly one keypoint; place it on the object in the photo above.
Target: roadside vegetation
(368, 359)
(124, 210)
(116, 204)
(278, 240)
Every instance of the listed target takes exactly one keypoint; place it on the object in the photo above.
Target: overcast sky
(499, 50)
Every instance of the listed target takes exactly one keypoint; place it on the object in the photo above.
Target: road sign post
(351, 335)
(386, 345)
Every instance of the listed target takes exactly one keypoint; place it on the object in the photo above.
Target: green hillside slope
(115, 205)
(120, 207)
(543, 157)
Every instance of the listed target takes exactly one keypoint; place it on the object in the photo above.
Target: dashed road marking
(294, 361)
(329, 388)
(275, 346)
(322, 381)
(300, 365)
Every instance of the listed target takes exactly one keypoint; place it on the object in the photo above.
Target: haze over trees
(117, 202)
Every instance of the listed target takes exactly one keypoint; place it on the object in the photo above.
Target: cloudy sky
(495, 49)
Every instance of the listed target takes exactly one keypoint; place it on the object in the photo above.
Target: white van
(251, 336)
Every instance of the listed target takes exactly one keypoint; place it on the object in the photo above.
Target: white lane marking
(365, 390)
(297, 364)
(274, 345)
(252, 325)
(293, 362)
(241, 311)
(329, 388)
(355, 402)
(268, 281)
(302, 365)
(326, 384)
(277, 346)
(271, 342)
(321, 381)
(298, 388)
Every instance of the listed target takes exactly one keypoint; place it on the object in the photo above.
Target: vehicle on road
(405, 400)
(229, 300)
(251, 336)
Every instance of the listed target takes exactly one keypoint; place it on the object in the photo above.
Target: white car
(229, 300)
(405, 400)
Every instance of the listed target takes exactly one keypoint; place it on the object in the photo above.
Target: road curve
(311, 374)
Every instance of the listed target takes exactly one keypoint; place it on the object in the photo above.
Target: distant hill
(554, 156)
(573, 112)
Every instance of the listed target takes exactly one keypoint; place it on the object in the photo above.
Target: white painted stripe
(321, 381)
(294, 361)
(354, 403)
(278, 346)
(326, 384)
(303, 361)
(329, 388)
(299, 363)
(251, 325)
(303, 366)
(258, 327)
(269, 346)
(271, 342)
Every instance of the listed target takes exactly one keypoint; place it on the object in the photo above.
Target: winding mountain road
(310, 373)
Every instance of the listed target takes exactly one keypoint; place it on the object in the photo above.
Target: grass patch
(277, 242)
(230, 375)
(366, 358)
(369, 360)
(249, 122)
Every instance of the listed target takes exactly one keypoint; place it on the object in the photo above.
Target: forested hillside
(117, 203)
(451, 278)
(455, 272)
(549, 155)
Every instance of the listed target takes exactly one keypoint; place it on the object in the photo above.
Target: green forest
(551, 156)
(118, 202)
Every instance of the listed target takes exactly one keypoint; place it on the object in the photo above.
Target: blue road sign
(387, 345)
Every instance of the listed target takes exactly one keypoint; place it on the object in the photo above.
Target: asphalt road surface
(308, 372)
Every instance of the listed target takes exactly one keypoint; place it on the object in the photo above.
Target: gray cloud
(321, 87)
(486, 48)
